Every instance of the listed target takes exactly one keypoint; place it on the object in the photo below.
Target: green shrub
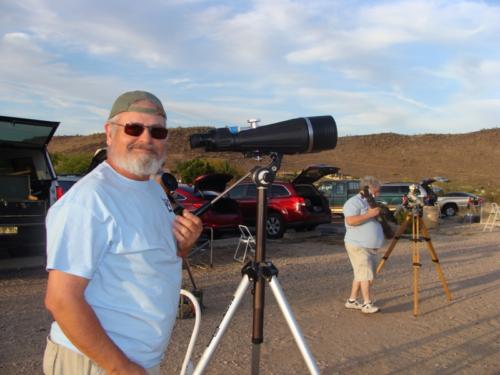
(188, 170)
(71, 164)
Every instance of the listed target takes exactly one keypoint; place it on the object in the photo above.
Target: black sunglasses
(136, 129)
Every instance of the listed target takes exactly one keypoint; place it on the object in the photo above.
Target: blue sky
(408, 67)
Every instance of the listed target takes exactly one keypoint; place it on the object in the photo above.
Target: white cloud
(374, 65)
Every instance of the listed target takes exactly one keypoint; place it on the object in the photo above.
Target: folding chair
(204, 242)
(246, 239)
(494, 216)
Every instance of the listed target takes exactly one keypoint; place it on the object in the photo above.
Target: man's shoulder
(91, 188)
(354, 200)
(353, 205)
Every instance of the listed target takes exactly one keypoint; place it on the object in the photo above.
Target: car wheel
(275, 227)
(449, 210)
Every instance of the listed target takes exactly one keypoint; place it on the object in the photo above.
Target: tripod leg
(233, 306)
(292, 324)
(435, 259)
(188, 268)
(416, 264)
(400, 231)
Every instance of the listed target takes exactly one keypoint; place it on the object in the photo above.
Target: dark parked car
(297, 204)
(64, 183)
(224, 215)
(27, 183)
(338, 192)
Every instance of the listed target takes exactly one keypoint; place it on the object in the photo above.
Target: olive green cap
(125, 103)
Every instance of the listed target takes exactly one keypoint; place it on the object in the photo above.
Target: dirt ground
(457, 337)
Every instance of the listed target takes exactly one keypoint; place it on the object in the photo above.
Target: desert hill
(468, 160)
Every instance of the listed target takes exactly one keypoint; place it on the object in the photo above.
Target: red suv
(296, 204)
(224, 215)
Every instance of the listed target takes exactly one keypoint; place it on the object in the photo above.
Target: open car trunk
(27, 182)
(210, 185)
(315, 201)
(303, 183)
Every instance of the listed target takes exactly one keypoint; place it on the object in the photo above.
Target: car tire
(449, 210)
(275, 226)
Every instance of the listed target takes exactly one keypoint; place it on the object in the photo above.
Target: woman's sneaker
(353, 304)
(369, 308)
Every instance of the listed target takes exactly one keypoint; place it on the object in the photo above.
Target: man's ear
(109, 136)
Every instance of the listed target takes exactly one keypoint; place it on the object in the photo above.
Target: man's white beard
(140, 164)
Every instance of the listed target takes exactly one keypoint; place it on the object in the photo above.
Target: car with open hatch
(291, 204)
(224, 215)
(27, 183)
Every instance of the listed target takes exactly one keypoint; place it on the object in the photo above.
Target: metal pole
(259, 282)
(292, 324)
(207, 354)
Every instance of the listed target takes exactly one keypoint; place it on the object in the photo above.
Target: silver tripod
(279, 295)
(257, 273)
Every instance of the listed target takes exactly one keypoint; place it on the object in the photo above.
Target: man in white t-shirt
(114, 251)
(363, 237)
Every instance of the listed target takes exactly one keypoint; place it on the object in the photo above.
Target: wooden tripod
(418, 228)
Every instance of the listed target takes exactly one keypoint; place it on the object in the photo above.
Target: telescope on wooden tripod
(420, 233)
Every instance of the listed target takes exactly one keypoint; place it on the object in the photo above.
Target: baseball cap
(125, 103)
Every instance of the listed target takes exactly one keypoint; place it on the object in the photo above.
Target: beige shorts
(363, 261)
(59, 360)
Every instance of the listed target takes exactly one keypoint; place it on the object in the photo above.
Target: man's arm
(66, 302)
(187, 228)
(360, 219)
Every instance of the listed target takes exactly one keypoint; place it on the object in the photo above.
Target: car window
(238, 192)
(306, 190)
(326, 189)
(392, 190)
(251, 191)
(279, 191)
(352, 187)
(339, 189)
(455, 194)
(178, 197)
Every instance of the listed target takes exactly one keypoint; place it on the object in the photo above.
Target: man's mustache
(142, 146)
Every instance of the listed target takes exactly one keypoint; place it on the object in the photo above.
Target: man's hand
(373, 212)
(187, 228)
(130, 368)
(360, 219)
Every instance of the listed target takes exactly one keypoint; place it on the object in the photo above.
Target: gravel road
(457, 337)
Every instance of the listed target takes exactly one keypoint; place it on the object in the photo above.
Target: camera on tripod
(412, 201)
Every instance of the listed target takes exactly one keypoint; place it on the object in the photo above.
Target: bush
(71, 164)
(188, 170)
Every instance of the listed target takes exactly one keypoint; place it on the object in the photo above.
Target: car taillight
(299, 203)
(59, 192)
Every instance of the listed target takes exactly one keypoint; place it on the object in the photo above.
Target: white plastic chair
(493, 218)
(247, 240)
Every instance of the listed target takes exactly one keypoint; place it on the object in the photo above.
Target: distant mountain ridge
(466, 159)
